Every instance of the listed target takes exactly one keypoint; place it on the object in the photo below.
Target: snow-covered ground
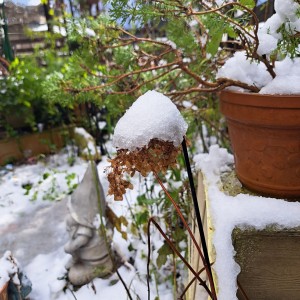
(34, 230)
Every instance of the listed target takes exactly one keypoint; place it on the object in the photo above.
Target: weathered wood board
(270, 263)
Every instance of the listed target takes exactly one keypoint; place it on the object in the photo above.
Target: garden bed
(29, 145)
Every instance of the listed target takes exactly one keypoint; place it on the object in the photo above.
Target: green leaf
(213, 44)
(142, 199)
(231, 33)
(46, 175)
(248, 3)
(163, 253)
(142, 217)
(27, 103)
(113, 282)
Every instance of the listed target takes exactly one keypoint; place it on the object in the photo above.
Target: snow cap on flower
(151, 116)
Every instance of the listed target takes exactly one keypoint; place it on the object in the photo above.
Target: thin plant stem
(189, 284)
(196, 205)
(134, 220)
(202, 282)
(174, 276)
(73, 294)
(124, 284)
(191, 236)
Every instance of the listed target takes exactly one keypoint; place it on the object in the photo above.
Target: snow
(271, 26)
(284, 85)
(90, 148)
(8, 268)
(35, 233)
(267, 43)
(288, 74)
(151, 116)
(228, 212)
(268, 34)
(255, 73)
(242, 69)
(286, 9)
(81, 131)
(26, 2)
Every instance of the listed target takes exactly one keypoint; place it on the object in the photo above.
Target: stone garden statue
(88, 245)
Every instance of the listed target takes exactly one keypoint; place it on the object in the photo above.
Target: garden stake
(195, 201)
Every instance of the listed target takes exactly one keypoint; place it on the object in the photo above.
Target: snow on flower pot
(265, 136)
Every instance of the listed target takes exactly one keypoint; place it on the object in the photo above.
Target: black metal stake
(196, 205)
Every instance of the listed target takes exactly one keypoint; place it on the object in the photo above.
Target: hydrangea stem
(205, 263)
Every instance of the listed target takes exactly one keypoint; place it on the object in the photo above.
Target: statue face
(72, 225)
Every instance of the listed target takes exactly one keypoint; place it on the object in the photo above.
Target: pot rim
(260, 100)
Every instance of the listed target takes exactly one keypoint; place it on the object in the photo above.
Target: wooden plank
(270, 263)
(194, 257)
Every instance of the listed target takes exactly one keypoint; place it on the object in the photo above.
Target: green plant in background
(23, 104)
(112, 66)
(50, 185)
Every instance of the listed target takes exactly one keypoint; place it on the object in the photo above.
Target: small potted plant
(264, 124)
(189, 50)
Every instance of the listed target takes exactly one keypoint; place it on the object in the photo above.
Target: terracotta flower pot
(265, 136)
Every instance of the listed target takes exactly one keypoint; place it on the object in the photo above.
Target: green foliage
(289, 44)
(22, 95)
(216, 29)
(53, 190)
(163, 252)
(248, 3)
(142, 217)
(27, 187)
(181, 34)
(130, 11)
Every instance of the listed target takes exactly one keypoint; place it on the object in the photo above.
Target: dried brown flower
(156, 157)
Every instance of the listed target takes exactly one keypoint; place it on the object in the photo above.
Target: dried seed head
(157, 156)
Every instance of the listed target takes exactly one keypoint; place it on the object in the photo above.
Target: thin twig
(190, 283)
(92, 88)
(202, 282)
(190, 233)
(124, 284)
(73, 294)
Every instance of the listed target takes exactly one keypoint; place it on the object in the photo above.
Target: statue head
(88, 200)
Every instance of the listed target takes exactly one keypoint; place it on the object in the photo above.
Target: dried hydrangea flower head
(147, 139)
